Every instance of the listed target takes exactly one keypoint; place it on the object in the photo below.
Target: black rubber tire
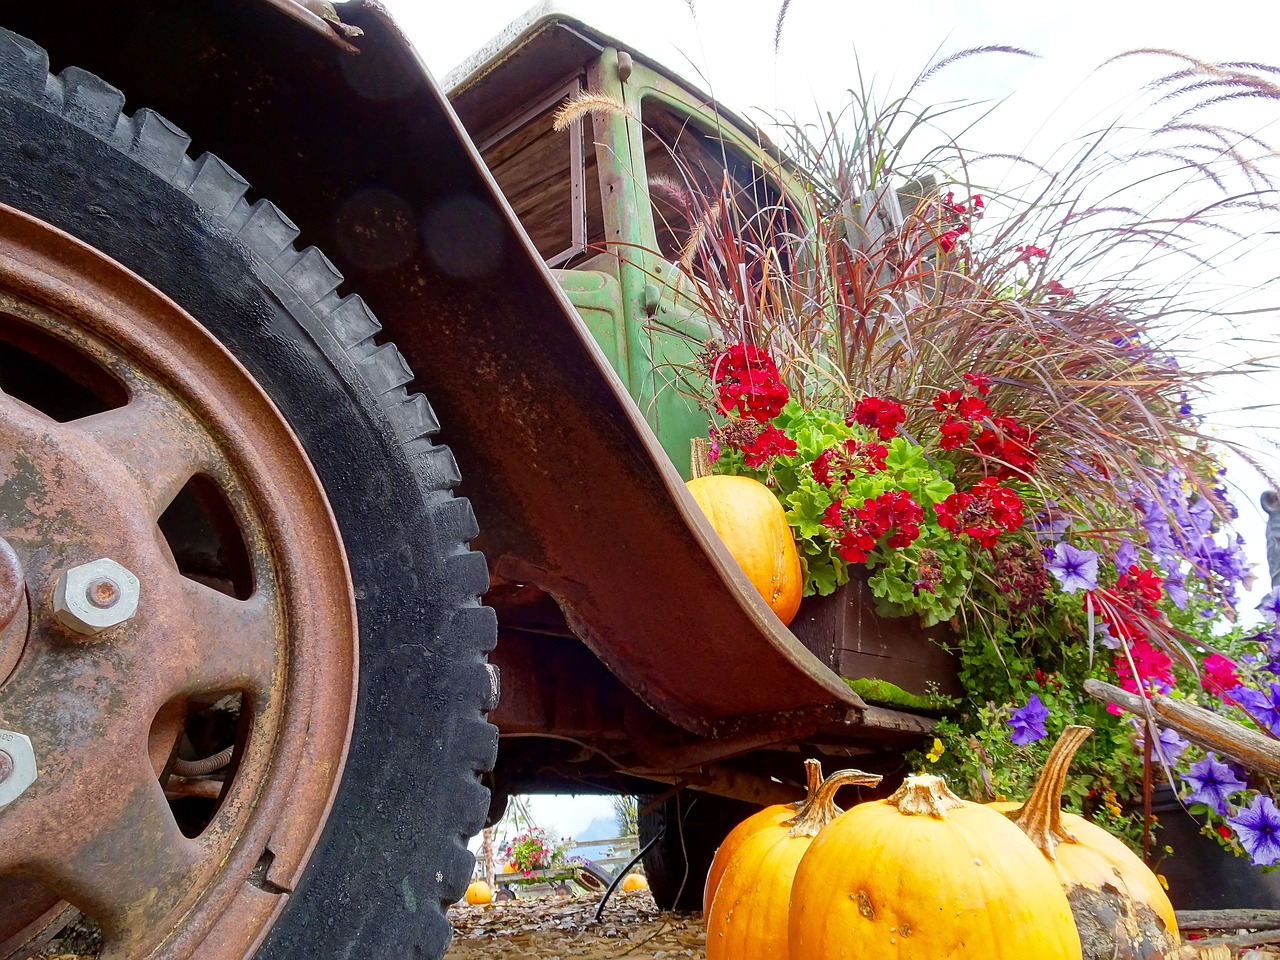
(393, 854)
(695, 824)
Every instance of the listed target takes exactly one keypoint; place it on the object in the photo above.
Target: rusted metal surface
(103, 711)
(13, 610)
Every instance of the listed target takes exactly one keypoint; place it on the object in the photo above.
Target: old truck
(244, 663)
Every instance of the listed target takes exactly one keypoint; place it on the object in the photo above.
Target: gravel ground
(557, 928)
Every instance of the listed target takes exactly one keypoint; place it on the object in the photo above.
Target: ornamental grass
(966, 378)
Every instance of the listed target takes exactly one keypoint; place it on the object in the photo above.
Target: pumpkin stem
(813, 779)
(699, 458)
(1041, 816)
(820, 809)
(925, 796)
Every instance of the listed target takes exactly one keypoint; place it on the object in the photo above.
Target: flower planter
(844, 632)
(1201, 874)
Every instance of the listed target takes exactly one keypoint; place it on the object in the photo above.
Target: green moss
(889, 694)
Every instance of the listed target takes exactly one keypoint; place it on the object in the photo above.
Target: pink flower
(1219, 675)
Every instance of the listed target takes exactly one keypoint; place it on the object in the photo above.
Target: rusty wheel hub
(109, 648)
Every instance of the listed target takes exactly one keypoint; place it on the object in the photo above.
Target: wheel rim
(105, 711)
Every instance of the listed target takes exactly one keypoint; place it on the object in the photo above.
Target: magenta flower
(1258, 827)
(1074, 569)
(1212, 782)
(1028, 722)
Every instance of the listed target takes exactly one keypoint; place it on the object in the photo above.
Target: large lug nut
(17, 766)
(94, 596)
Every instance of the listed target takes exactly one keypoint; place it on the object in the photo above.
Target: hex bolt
(93, 596)
(17, 765)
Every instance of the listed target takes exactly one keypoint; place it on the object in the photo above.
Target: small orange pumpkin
(1120, 908)
(509, 867)
(754, 528)
(635, 881)
(770, 816)
(479, 893)
(926, 874)
(748, 917)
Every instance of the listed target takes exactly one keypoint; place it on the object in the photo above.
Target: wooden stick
(1254, 750)
(1228, 919)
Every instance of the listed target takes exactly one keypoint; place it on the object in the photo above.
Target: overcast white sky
(727, 46)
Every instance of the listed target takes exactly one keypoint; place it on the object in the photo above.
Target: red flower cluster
(1220, 675)
(960, 215)
(1154, 668)
(857, 530)
(1137, 591)
(771, 442)
(747, 381)
(839, 465)
(1056, 289)
(1028, 253)
(1001, 439)
(1011, 445)
(880, 415)
(983, 513)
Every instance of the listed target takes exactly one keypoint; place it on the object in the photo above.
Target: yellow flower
(937, 751)
(1163, 882)
(1113, 806)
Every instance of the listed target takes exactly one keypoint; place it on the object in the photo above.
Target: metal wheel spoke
(130, 870)
(229, 644)
(156, 441)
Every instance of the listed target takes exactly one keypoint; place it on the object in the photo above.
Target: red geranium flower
(747, 382)
(983, 513)
(980, 382)
(771, 442)
(856, 530)
(839, 465)
(955, 433)
(881, 415)
(1029, 252)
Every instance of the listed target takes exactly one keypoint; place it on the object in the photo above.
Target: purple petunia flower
(1258, 827)
(1212, 782)
(1263, 707)
(1028, 722)
(1169, 745)
(1270, 606)
(1175, 589)
(1074, 569)
(1126, 555)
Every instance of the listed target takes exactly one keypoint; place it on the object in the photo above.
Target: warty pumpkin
(748, 917)
(770, 816)
(925, 875)
(754, 528)
(1120, 908)
(479, 893)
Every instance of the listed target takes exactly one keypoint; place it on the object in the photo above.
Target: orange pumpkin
(1120, 908)
(479, 893)
(509, 867)
(754, 528)
(926, 874)
(770, 816)
(635, 881)
(748, 917)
